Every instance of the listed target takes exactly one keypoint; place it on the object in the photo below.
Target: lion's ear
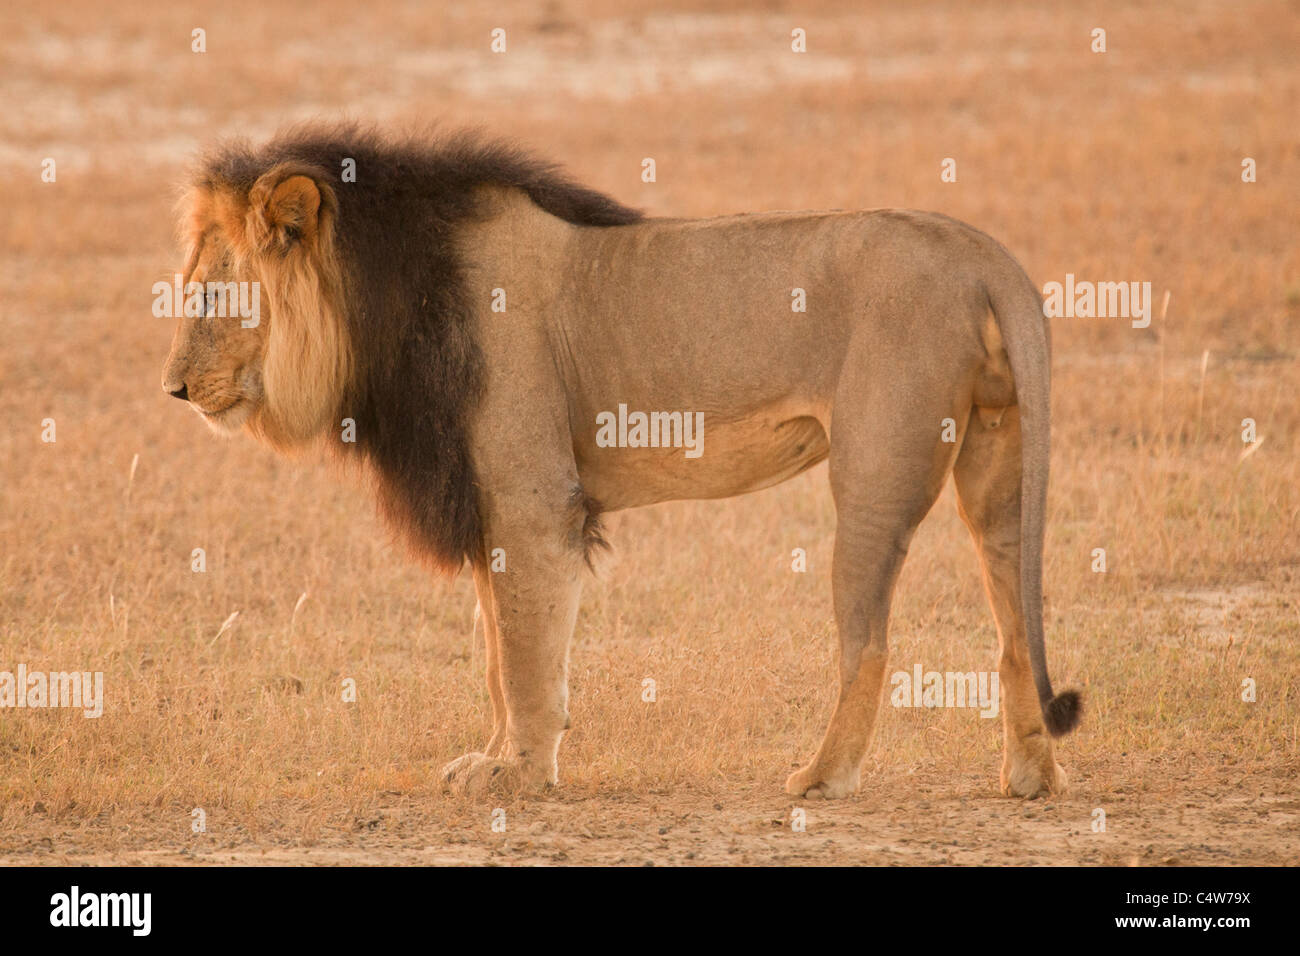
(286, 206)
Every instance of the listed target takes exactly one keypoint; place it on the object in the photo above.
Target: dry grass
(1117, 166)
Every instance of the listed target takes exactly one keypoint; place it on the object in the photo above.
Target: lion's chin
(228, 420)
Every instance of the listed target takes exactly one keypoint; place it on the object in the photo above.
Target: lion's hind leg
(987, 476)
(887, 467)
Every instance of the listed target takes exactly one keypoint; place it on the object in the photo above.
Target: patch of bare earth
(1157, 812)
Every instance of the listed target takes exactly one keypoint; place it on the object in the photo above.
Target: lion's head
(280, 367)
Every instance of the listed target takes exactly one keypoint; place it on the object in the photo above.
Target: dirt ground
(222, 703)
(906, 820)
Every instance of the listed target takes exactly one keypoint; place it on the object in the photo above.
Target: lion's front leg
(532, 609)
(476, 772)
(485, 622)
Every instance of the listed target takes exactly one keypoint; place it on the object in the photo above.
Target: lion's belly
(719, 460)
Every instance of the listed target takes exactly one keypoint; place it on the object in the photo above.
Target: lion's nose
(182, 393)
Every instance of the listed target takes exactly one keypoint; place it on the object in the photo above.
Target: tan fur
(690, 316)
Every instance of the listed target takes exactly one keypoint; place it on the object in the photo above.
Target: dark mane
(418, 368)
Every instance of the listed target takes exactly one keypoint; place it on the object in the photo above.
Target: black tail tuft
(1063, 712)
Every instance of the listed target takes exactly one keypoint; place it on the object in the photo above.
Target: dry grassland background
(1117, 166)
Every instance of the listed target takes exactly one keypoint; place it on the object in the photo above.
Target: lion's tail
(1017, 307)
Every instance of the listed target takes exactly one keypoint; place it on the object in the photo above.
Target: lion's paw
(475, 774)
(812, 784)
(1030, 779)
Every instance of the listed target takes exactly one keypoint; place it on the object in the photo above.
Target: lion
(517, 355)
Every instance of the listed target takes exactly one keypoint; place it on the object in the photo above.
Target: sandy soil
(1242, 818)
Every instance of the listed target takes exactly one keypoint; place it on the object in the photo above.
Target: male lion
(482, 321)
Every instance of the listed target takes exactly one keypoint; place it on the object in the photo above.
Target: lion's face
(216, 359)
(271, 352)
